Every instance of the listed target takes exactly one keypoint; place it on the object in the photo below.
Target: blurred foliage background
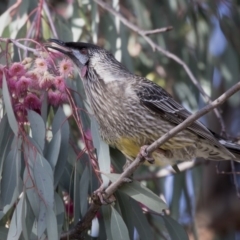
(206, 37)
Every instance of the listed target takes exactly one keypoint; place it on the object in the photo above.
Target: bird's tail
(230, 145)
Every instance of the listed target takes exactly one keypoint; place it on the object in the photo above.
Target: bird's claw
(146, 155)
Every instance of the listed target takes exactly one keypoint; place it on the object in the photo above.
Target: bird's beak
(59, 46)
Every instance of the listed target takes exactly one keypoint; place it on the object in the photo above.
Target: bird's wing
(158, 100)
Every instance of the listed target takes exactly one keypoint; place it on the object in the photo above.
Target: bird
(133, 111)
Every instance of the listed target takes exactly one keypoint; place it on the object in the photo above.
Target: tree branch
(85, 223)
(168, 54)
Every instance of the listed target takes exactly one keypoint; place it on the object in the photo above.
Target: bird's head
(89, 58)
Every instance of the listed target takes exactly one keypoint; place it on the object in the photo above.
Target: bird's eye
(83, 51)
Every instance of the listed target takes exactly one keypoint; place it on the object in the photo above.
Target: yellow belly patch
(128, 147)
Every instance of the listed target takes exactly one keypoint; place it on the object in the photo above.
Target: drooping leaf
(140, 221)
(37, 127)
(141, 194)
(118, 227)
(78, 198)
(52, 230)
(126, 210)
(84, 186)
(10, 175)
(53, 149)
(103, 153)
(60, 123)
(106, 211)
(5, 19)
(104, 161)
(11, 183)
(60, 211)
(8, 105)
(43, 177)
(16, 223)
(175, 230)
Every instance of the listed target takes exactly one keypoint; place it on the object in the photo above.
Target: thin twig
(46, 9)
(85, 223)
(168, 54)
(158, 30)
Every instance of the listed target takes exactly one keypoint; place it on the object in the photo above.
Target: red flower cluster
(28, 80)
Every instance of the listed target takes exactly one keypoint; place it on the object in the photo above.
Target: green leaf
(141, 194)
(15, 228)
(43, 177)
(10, 175)
(27, 220)
(52, 232)
(44, 107)
(124, 202)
(118, 227)
(31, 192)
(41, 220)
(77, 197)
(103, 153)
(60, 123)
(38, 128)
(3, 232)
(8, 105)
(60, 211)
(106, 211)
(95, 134)
(5, 19)
(19, 19)
(84, 185)
(104, 161)
(53, 149)
(140, 221)
(175, 230)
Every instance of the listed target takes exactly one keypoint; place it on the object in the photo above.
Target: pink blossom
(46, 80)
(27, 62)
(1, 75)
(60, 83)
(20, 112)
(54, 98)
(22, 85)
(34, 76)
(65, 67)
(12, 81)
(64, 98)
(41, 65)
(17, 69)
(32, 102)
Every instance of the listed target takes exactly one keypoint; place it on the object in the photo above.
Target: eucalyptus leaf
(175, 230)
(106, 212)
(38, 128)
(43, 177)
(118, 228)
(84, 186)
(52, 230)
(15, 228)
(8, 105)
(53, 149)
(104, 161)
(124, 202)
(5, 19)
(60, 123)
(10, 175)
(60, 211)
(140, 221)
(141, 194)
